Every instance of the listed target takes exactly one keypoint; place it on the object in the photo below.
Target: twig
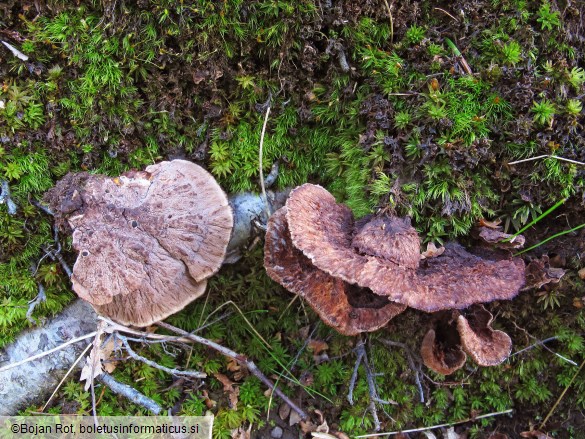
(411, 363)
(49, 352)
(40, 297)
(132, 394)
(241, 360)
(352, 381)
(41, 207)
(374, 397)
(541, 343)
(66, 375)
(5, 198)
(446, 13)
(391, 21)
(434, 427)
(545, 156)
(272, 176)
(561, 396)
(265, 199)
(151, 363)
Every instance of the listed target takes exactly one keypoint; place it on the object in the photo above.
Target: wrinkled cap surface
(485, 345)
(149, 240)
(323, 230)
(347, 308)
(391, 239)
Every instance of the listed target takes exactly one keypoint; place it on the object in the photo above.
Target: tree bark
(23, 385)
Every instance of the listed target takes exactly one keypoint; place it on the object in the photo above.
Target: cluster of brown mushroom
(147, 241)
(357, 275)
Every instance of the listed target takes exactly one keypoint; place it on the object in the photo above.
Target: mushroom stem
(242, 360)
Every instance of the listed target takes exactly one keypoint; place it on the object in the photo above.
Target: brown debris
(347, 308)
(500, 239)
(323, 230)
(486, 346)
(539, 272)
(147, 240)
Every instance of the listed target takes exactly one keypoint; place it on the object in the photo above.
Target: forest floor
(417, 108)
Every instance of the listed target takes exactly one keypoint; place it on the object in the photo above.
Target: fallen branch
(242, 360)
(24, 380)
(434, 427)
(362, 357)
(134, 355)
(129, 392)
(413, 366)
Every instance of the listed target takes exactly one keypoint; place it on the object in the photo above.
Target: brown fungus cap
(147, 240)
(486, 346)
(324, 231)
(347, 308)
(441, 348)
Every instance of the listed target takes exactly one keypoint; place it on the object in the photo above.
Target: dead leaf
(323, 427)
(304, 332)
(92, 368)
(432, 251)
(450, 434)
(579, 302)
(307, 379)
(240, 433)
(500, 239)
(233, 365)
(320, 435)
(340, 435)
(284, 411)
(294, 418)
(581, 273)
(107, 350)
(93, 364)
(209, 403)
(307, 426)
(491, 224)
(317, 346)
(228, 387)
(535, 434)
(539, 273)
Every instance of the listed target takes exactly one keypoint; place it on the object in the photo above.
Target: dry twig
(129, 392)
(242, 360)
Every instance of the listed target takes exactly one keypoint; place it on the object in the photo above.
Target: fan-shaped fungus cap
(486, 346)
(347, 308)
(441, 349)
(323, 230)
(147, 240)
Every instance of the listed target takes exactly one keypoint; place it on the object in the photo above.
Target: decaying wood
(23, 385)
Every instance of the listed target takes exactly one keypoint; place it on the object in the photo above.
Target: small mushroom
(441, 354)
(347, 308)
(381, 257)
(486, 346)
(147, 241)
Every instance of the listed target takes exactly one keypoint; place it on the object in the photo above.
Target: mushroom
(441, 348)
(486, 346)
(346, 307)
(444, 346)
(384, 257)
(147, 241)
